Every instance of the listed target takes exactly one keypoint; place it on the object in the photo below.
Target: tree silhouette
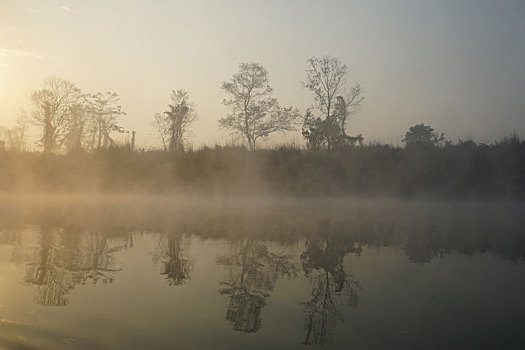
(254, 112)
(52, 111)
(15, 137)
(105, 110)
(173, 124)
(326, 78)
(422, 135)
(80, 119)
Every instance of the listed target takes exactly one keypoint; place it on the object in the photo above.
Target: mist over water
(237, 272)
(262, 174)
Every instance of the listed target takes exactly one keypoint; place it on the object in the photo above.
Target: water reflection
(170, 252)
(322, 263)
(252, 273)
(65, 258)
(63, 247)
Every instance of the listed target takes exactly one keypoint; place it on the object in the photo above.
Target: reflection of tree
(53, 284)
(322, 262)
(66, 259)
(252, 274)
(175, 266)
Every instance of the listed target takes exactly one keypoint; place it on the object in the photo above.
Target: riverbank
(460, 171)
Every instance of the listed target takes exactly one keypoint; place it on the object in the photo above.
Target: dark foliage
(462, 170)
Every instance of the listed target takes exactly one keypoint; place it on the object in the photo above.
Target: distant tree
(104, 110)
(14, 138)
(52, 111)
(179, 116)
(173, 125)
(254, 112)
(162, 125)
(319, 133)
(80, 119)
(422, 135)
(334, 102)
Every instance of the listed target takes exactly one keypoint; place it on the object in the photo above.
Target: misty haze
(262, 174)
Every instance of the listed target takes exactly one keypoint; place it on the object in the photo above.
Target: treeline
(79, 153)
(68, 119)
(451, 170)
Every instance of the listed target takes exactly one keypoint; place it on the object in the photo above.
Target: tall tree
(180, 114)
(254, 112)
(52, 110)
(80, 119)
(334, 102)
(105, 111)
(173, 125)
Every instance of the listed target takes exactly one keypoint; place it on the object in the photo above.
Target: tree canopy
(325, 124)
(254, 112)
(421, 135)
(173, 124)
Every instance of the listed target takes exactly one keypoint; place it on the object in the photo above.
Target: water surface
(191, 273)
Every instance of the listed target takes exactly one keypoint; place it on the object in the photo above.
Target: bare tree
(15, 137)
(105, 111)
(161, 124)
(254, 112)
(51, 110)
(326, 78)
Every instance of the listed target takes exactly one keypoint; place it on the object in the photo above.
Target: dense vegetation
(79, 154)
(460, 170)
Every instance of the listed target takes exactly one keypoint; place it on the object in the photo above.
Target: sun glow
(6, 101)
(3, 79)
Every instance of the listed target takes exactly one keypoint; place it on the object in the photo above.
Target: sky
(456, 65)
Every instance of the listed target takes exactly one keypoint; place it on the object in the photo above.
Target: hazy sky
(458, 65)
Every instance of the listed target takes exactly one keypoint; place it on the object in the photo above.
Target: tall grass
(461, 170)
